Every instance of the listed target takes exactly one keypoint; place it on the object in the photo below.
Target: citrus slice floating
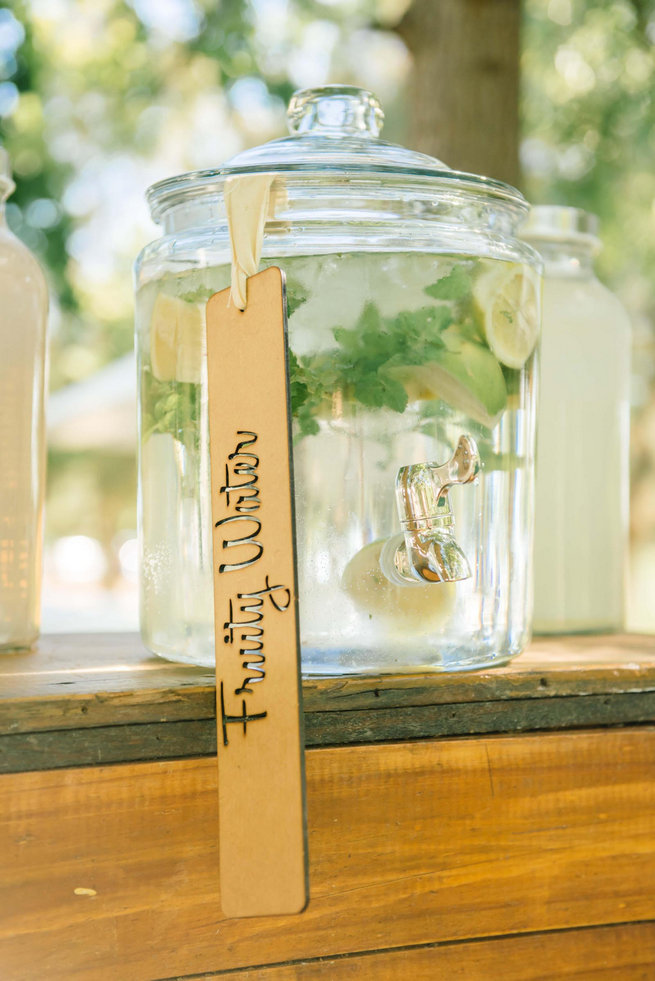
(401, 606)
(177, 339)
(467, 377)
(508, 303)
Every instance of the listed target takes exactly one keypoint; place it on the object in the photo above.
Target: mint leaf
(348, 340)
(395, 396)
(296, 295)
(455, 286)
(363, 364)
(381, 391)
(512, 380)
(199, 295)
(369, 319)
(306, 421)
(170, 407)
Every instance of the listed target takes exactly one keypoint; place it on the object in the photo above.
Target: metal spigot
(426, 551)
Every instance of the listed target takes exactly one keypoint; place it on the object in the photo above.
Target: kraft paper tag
(262, 835)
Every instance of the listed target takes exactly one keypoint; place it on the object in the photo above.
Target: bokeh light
(99, 99)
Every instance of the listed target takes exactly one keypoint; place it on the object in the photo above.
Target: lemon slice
(177, 339)
(467, 377)
(401, 606)
(508, 302)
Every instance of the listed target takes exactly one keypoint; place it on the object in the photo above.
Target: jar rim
(183, 188)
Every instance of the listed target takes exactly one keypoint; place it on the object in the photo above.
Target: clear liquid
(346, 457)
(23, 312)
(581, 502)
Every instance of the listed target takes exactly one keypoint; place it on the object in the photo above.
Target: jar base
(451, 663)
(341, 663)
(18, 646)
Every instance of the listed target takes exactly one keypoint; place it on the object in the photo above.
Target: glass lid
(336, 126)
(334, 133)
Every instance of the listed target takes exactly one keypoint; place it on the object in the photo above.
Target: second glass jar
(582, 465)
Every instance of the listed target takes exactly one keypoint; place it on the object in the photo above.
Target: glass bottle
(413, 318)
(581, 498)
(23, 316)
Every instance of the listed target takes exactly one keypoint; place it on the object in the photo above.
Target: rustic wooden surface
(410, 844)
(622, 953)
(93, 699)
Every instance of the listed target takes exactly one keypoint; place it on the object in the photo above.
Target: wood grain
(52, 749)
(410, 844)
(84, 680)
(78, 680)
(86, 699)
(624, 953)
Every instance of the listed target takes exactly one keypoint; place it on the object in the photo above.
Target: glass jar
(582, 473)
(413, 315)
(23, 317)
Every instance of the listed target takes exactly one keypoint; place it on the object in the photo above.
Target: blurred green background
(99, 98)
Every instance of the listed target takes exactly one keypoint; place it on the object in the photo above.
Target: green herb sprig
(361, 367)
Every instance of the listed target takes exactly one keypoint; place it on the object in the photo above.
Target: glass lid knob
(335, 110)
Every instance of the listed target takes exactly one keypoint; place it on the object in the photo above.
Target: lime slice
(177, 339)
(402, 606)
(467, 377)
(508, 303)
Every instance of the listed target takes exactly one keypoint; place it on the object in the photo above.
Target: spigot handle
(426, 550)
(422, 488)
(462, 468)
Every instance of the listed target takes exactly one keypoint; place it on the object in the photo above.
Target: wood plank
(70, 681)
(410, 844)
(583, 664)
(102, 699)
(477, 718)
(84, 680)
(51, 749)
(594, 954)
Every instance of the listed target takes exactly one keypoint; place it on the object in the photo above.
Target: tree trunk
(464, 87)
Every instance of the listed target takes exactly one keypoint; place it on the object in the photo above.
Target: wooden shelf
(87, 699)
(510, 853)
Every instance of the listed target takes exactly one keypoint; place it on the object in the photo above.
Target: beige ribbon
(248, 203)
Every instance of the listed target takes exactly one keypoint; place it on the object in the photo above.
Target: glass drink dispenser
(413, 317)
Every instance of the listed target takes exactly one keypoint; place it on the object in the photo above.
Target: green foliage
(38, 175)
(93, 493)
(108, 82)
(455, 286)
(361, 367)
(171, 407)
(113, 95)
(199, 295)
(98, 83)
(296, 295)
(588, 116)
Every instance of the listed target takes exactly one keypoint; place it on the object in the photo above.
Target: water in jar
(23, 315)
(581, 492)
(392, 357)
